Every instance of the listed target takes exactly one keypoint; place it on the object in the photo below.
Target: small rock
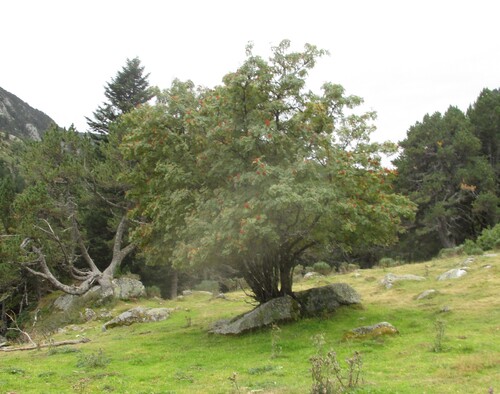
(487, 266)
(310, 275)
(468, 261)
(356, 275)
(222, 296)
(427, 294)
(389, 279)
(375, 330)
(445, 309)
(186, 292)
(208, 293)
(138, 315)
(452, 274)
(89, 315)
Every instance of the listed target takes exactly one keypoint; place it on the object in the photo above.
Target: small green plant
(322, 268)
(261, 370)
(93, 360)
(471, 248)
(489, 238)
(439, 326)
(15, 371)
(387, 262)
(153, 292)
(184, 377)
(62, 350)
(327, 374)
(451, 252)
(275, 341)
(208, 285)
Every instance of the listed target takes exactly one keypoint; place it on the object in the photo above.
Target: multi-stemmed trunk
(269, 276)
(89, 277)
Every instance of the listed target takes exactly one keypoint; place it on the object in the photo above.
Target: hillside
(20, 119)
(179, 356)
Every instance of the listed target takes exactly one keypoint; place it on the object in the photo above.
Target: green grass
(176, 357)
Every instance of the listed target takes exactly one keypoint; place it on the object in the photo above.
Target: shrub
(386, 262)
(322, 268)
(93, 360)
(489, 238)
(451, 252)
(207, 285)
(153, 291)
(345, 267)
(471, 248)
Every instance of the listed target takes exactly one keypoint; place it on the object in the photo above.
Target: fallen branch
(44, 345)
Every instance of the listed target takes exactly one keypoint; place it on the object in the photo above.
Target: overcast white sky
(405, 58)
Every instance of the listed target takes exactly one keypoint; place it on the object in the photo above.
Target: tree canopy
(127, 90)
(258, 172)
(443, 170)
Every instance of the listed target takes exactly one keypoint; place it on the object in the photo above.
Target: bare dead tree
(85, 277)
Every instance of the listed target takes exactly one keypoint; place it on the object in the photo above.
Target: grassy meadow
(179, 356)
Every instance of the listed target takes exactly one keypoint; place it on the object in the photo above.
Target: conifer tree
(129, 89)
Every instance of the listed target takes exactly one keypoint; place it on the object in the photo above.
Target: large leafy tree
(442, 169)
(127, 90)
(258, 172)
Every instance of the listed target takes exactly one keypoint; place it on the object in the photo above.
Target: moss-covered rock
(368, 332)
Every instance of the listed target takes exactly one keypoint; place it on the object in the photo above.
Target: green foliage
(153, 291)
(451, 252)
(93, 360)
(276, 348)
(450, 168)
(129, 89)
(207, 285)
(387, 262)
(440, 327)
(322, 268)
(470, 248)
(62, 350)
(256, 172)
(489, 238)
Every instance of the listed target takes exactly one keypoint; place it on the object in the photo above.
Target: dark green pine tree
(125, 92)
(443, 171)
(484, 115)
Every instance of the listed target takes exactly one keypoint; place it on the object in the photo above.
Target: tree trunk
(444, 235)
(286, 279)
(174, 282)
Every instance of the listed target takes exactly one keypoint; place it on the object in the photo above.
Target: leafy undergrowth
(179, 356)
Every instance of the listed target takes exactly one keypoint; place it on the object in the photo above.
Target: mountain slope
(20, 119)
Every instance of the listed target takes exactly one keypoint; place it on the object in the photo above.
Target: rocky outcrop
(138, 315)
(123, 289)
(20, 119)
(373, 331)
(313, 302)
(390, 279)
(277, 310)
(319, 301)
(452, 274)
(427, 294)
(128, 288)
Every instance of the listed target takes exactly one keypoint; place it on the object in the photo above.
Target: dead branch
(17, 328)
(45, 345)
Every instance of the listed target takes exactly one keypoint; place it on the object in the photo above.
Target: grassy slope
(177, 355)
